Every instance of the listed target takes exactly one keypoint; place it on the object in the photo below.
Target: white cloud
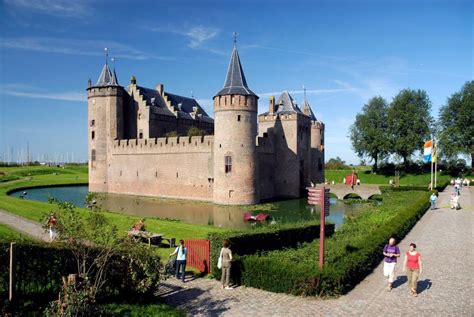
(197, 36)
(313, 91)
(76, 47)
(59, 8)
(26, 91)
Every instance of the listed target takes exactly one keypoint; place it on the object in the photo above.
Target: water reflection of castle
(244, 159)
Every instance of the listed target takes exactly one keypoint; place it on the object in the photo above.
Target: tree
(456, 124)
(409, 122)
(94, 244)
(336, 164)
(194, 131)
(368, 134)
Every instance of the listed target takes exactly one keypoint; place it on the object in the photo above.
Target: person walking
(225, 259)
(412, 266)
(181, 252)
(391, 252)
(52, 226)
(433, 200)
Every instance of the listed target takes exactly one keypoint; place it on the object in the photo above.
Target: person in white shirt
(182, 252)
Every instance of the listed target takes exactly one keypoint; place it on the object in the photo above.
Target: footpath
(445, 240)
(23, 225)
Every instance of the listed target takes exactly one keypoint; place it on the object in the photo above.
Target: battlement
(280, 116)
(164, 145)
(317, 124)
(103, 91)
(235, 102)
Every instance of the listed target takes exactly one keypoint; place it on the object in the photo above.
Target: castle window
(245, 100)
(93, 135)
(140, 135)
(120, 173)
(92, 122)
(156, 174)
(176, 174)
(93, 155)
(228, 164)
(238, 117)
(139, 116)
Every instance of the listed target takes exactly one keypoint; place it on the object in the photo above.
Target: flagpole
(435, 164)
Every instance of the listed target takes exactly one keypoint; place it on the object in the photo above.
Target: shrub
(351, 253)
(265, 239)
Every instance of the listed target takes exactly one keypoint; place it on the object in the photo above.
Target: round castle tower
(105, 123)
(235, 132)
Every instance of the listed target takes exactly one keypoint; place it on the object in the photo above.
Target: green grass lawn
(368, 178)
(9, 234)
(136, 310)
(45, 176)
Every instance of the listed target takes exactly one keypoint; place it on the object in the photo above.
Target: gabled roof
(185, 106)
(286, 104)
(235, 82)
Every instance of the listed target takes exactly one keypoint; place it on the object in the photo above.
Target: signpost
(320, 196)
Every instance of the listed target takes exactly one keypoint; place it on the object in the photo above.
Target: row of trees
(401, 127)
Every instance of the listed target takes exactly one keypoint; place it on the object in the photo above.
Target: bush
(265, 239)
(40, 267)
(351, 253)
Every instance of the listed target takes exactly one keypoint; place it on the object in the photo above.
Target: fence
(199, 255)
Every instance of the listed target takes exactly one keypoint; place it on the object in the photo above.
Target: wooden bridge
(342, 191)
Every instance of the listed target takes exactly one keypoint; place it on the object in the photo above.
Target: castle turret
(105, 124)
(235, 152)
(317, 144)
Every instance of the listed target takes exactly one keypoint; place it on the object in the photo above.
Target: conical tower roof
(235, 82)
(308, 111)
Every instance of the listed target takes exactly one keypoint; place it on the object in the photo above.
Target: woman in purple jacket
(391, 252)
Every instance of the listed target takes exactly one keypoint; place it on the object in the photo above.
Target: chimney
(160, 88)
(272, 105)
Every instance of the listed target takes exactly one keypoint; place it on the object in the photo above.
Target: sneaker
(228, 287)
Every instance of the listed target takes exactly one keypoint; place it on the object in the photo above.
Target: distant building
(242, 158)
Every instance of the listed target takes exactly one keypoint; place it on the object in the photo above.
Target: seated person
(139, 226)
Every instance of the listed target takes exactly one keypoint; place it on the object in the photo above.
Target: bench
(157, 238)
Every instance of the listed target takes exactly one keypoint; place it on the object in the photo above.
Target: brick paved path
(445, 240)
(23, 225)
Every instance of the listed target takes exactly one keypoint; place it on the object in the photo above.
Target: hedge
(351, 253)
(265, 239)
(40, 267)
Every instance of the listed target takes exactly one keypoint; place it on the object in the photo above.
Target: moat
(203, 213)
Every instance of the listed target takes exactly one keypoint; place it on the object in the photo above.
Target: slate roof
(308, 111)
(185, 106)
(235, 82)
(107, 78)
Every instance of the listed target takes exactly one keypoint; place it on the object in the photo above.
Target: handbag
(219, 261)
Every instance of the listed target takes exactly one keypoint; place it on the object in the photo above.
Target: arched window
(228, 164)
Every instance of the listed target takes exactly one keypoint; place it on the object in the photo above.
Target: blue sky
(344, 52)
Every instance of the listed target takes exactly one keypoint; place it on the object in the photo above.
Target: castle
(242, 158)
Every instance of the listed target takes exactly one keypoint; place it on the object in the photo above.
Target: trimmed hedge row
(351, 253)
(40, 268)
(265, 239)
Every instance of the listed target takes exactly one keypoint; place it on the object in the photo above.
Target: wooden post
(11, 285)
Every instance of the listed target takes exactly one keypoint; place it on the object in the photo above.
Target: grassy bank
(367, 177)
(9, 234)
(37, 176)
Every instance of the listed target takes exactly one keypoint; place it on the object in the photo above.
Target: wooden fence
(199, 255)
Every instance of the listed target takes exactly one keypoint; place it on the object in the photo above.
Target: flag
(427, 151)
(433, 159)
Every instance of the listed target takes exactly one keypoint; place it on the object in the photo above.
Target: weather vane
(235, 37)
(106, 50)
